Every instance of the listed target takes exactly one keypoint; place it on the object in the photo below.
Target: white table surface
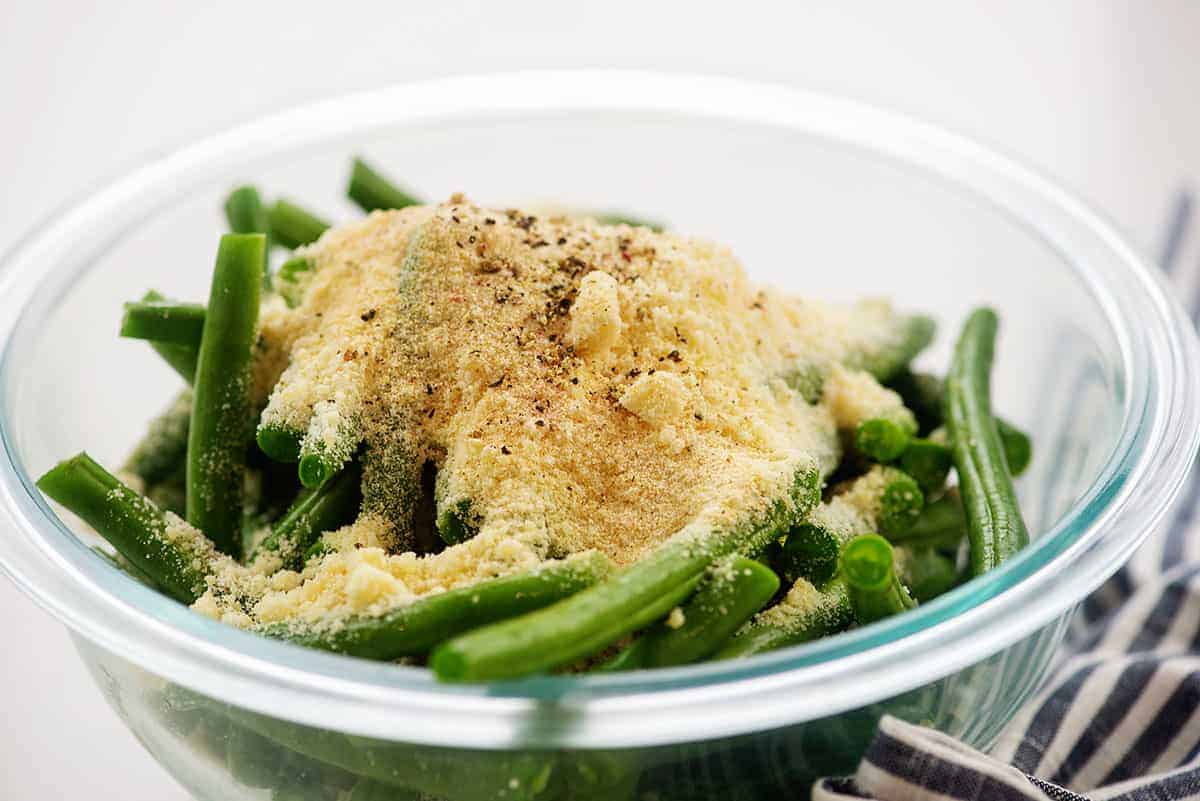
(1101, 96)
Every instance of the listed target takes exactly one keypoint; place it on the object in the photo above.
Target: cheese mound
(575, 386)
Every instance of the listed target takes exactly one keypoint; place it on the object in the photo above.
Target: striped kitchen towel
(1119, 719)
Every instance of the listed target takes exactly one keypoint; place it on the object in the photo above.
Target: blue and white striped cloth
(1120, 718)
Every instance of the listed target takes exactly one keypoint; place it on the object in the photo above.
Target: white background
(1104, 96)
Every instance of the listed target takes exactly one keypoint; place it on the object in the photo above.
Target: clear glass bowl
(823, 196)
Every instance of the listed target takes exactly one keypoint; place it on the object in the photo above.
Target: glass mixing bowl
(820, 195)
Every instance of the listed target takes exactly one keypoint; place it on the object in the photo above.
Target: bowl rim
(1160, 433)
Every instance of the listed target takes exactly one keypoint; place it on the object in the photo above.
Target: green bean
(125, 566)
(322, 455)
(883, 439)
(163, 321)
(869, 570)
(1018, 447)
(925, 395)
(619, 218)
(440, 772)
(252, 760)
(246, 214)
(928, 462)
(220, 432)
(730, 594)
(883, 499)
(912, 335)
(162, 452)
(637, 595)
(810, 551)
(807, 380)
(888, 499)
(279, 442)
(292, 279)
(812, 547)
(922, 394)
(925, 572)
(806, 613)
(417, 627)
(293, 226)
(455, 519)
(371, 790)
(181, 358)
(455, 523)
(244, 211)
(995, 528)
(370, 190)
(321, 459)
(901, 503)
(330, 507)
(131, 524)
(940, 525)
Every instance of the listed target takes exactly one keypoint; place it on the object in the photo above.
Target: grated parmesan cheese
(582, 386)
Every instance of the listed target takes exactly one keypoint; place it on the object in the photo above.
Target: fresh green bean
(319, 461)
(883, 499)
(925, 572)
(928, 462)
(371, 790)
(322, 456)
(181, 358)
(922, 394)
(162, 452)
(417, 627)
(901, 504)
(252, 760)
(995, 528)
(925, 394)
(330, 507)
(811, 550)
(131, 524)
(941, 525)
(244, 211)
(220, 431)
(888, 498)
(883, 439)
(163, 321)
(620, 218)
(293, 226)
(279, 442)
(912, 335)
(869, 570)
(440, 772)
(292, 279)
(641, 593)
(806, 613)
(125, 566)
(1018, 447)
(455, 522)
(730, 594)
(370, 190)
(246, 214)
(454, 519)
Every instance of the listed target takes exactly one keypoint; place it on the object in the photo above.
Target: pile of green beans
(886, 531)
